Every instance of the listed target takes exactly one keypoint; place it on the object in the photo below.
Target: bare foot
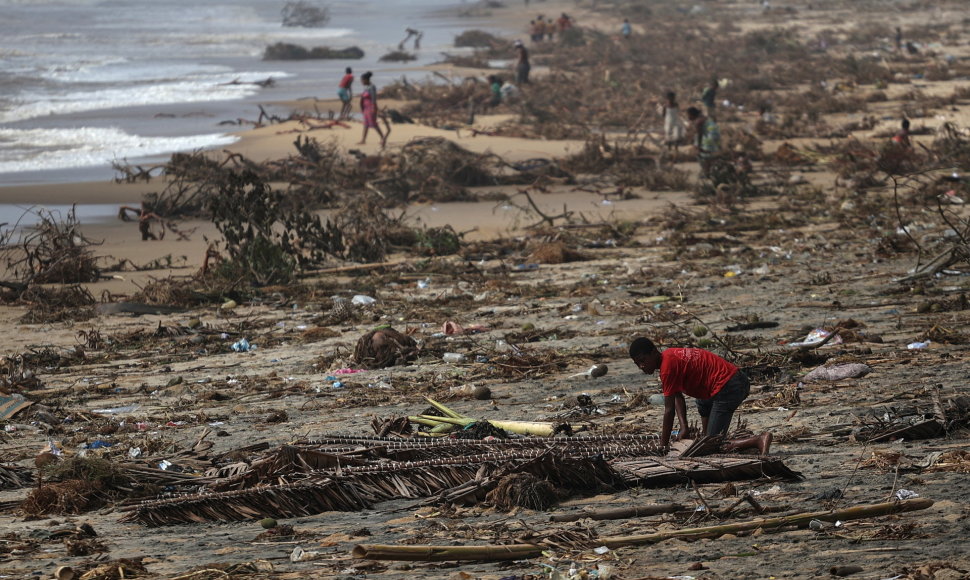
(764, 442)
(760, 442)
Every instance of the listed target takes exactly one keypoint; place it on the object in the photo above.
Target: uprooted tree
(265, 239)
(935, 193)
(52, 252)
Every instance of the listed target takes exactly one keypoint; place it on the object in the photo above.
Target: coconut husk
(555, 253)
(384, 348)
(523, 490)
(75, 496)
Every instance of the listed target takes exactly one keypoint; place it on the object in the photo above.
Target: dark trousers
(720, 408)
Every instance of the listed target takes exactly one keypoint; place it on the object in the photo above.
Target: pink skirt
(370, 117)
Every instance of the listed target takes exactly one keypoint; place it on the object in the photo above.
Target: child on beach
(673, 126)
(368, 107)
(346, 93)
(719, 387)
(495, 90)
(522, 66)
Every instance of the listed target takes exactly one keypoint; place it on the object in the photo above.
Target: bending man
(719, 387)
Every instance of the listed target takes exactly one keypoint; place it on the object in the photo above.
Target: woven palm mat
(348, 474)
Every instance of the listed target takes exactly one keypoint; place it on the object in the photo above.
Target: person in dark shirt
(522, 66)
(709, 99)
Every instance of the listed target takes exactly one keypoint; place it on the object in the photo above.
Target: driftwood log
(523, 551)
(618, 513)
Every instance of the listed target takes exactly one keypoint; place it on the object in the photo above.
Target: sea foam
(221, 87)
(38, 149)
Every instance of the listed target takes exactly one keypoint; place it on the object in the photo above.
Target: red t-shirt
(346, 81)
(693, 371)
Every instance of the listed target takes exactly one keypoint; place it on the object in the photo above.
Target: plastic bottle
(453, 357)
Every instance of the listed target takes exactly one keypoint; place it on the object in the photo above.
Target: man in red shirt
(345, 91)
(719, 387)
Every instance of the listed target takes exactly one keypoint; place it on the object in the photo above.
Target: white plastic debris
(242, 345)
(300, 555)
(905, 494)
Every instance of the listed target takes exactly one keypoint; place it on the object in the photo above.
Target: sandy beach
(188, 416)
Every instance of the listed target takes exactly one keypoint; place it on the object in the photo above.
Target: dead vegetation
(54, 251)
(762, 260)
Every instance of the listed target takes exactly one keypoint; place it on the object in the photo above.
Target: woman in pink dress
(368, 107)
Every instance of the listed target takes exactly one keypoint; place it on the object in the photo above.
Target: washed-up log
(445, 553)
(619, 513)
(522, 551)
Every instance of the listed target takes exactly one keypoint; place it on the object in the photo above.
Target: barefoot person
(368, 107)
(673, 126)
(345, 91)
(522, 66)
(719, 387)
(707, 138)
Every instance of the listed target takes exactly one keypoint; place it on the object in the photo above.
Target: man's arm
(681, 405)
(673, 404)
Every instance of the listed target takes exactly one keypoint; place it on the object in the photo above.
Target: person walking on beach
(707, 138)
(719, 387)
(145, 218)
(673, 126)
(626, 30)
(368, 108)
(709, 99)
(522, 66)
(346, 93)
(902, 137)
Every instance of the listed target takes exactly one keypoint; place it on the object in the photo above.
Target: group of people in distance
(543, 28)
(704, 128)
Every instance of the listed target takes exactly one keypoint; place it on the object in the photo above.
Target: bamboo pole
(522, 551)
(445, 553)
(799, 520)
(619, 513)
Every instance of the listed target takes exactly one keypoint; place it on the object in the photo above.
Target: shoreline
(142, 128)
(49, 191)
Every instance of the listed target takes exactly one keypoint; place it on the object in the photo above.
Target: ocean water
(85, 83)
